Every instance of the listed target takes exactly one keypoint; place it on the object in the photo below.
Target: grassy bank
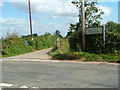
(63, 53)
(16, 46)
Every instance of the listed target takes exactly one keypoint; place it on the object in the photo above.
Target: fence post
(58, 42)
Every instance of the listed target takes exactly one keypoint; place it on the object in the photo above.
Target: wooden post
(58, 42)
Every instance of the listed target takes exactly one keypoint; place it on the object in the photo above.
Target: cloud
(1, 20)
(22, 27)
(13, 21)
(58, 10)
(10, 24)
(56, 7)
(106, 10)
(1, 3)
(108, 0)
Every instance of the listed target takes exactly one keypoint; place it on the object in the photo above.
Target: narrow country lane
(41, 55)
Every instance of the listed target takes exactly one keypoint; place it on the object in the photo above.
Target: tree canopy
(92, 15)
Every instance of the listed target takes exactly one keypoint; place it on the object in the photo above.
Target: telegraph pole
(82, 13)
(83, 25)
(30, 17)
(104, 35)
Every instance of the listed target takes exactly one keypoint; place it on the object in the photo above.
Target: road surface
(38, 70)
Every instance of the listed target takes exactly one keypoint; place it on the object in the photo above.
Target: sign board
(89, 31)
(26, 42)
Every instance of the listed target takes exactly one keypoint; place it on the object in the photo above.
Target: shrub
(75, 41)
(63, 53)
(67, 56)
(94, 43)
(16, 46)
(12, 35)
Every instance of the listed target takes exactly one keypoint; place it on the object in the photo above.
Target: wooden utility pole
(30, 17)
(83, 25)
(104, 35)
(82, 14)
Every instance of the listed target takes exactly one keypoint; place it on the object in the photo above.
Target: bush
(87, 57)
(64, 47)
(16, 46)
(63, 53)
(94, 43)
(12, 35)
(75, 41)
(67, 56)
(112, 43)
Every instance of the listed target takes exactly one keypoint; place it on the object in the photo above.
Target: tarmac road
(31, 71)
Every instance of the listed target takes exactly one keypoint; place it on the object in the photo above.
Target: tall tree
(92, 15)
(112, 27)
(57, 33)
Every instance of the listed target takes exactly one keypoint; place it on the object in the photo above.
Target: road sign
(98, 30)
(89, 31)
(26, 42)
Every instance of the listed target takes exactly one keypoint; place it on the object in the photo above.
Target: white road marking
(0, 88)
(5, 85)
(35, 87)
(23, 87)
(37, 60)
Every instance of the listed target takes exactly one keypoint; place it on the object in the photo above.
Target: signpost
(98, 30)
(89, 31)
(26, 42)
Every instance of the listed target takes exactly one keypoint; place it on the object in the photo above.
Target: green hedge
(64, 53)
(94, 43)
(16, 46)
(82, 56)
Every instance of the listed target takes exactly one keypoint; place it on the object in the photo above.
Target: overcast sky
(48, 16)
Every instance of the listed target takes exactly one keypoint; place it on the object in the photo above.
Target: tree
(112, 27)
(57, 33)
(12, 35)
(35, 35)
(92, 15)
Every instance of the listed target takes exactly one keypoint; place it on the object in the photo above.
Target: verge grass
(64, 53)
(16, 46)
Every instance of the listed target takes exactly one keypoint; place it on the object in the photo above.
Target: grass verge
(63, 53)
(16, 46)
